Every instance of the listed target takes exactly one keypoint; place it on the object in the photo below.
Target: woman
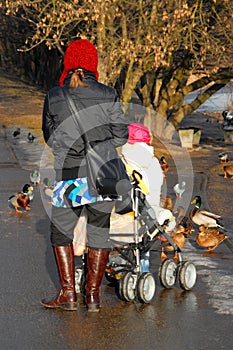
(103, 120)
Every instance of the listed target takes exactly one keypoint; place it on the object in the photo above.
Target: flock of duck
(210, 229)
(210, 233)
(21, 200)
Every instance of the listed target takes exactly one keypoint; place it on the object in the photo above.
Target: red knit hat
(138, 133)
(80, 54)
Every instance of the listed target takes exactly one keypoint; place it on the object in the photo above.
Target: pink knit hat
(80, 54)
(138, 133)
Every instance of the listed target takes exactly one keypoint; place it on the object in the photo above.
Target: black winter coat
(100, 115)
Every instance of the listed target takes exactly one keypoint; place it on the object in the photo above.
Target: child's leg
(80, 235)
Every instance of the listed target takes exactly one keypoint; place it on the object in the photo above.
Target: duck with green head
(203, 217)
(28, 189)
(48, 188)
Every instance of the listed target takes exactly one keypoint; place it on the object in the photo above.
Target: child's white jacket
(140, 157)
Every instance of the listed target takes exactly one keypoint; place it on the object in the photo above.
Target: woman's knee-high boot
(66, 298)
(96, 263)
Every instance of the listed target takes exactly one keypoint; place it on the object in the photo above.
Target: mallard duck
(48, 189)
(163, 164)
(19, 200)
(178, 237)
(203, 217)
(179, 189)
(166, 203)
(223, 157)
(179, 213)
(228, 170)
(209, 237)
(35, 177)
(28, 189)
(183, 220)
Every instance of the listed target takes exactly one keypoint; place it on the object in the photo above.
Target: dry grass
(32, 122)
(21, 104)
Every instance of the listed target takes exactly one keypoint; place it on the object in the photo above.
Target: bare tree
(152, 47)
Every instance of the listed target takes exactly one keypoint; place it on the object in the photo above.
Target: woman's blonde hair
(77, 78)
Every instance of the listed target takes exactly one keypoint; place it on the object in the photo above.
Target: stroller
(124, 267)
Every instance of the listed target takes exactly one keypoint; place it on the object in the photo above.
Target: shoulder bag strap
(74, 113)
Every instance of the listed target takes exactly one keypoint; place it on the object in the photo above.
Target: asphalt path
(175, 319)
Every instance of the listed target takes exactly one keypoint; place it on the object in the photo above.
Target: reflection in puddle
(170, 298)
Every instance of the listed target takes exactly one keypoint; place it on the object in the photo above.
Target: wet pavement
(175, 319)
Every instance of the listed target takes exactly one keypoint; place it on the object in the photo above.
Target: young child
(138, 154)
(80, 235)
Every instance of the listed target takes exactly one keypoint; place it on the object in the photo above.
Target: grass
(21, 104)
(30, 121)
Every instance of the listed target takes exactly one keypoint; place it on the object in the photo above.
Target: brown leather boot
(96, 263)
(66, 298)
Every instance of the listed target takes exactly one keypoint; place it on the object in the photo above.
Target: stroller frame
(126, 267)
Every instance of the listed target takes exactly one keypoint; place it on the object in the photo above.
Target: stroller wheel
(168, 273)
(127, 286)
(187, 275)
(112, 278)
(79, 275)
(146, 287)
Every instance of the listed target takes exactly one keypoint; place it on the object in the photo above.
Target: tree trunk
(169, 132)
(149, 119)
(132, 78)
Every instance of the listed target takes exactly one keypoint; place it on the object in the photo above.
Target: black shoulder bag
(106, 173)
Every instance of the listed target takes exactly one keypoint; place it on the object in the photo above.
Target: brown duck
(178, 237)
(167, 203)
(210, 237)
(183, 220)
(228, 170)
(163, 164)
